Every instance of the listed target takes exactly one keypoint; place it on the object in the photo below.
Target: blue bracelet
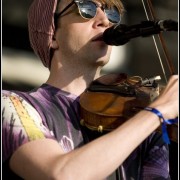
(164, 123)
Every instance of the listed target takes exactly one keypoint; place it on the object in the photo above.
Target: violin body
(105, 105)
(103, 111)
(112, 99)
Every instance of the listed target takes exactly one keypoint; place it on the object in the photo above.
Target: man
(42, 135)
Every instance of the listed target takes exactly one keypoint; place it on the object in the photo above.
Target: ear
(54, 44)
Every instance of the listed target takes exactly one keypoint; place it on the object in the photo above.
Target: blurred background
(22, 69)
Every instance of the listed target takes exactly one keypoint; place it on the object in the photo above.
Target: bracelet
(164, 123)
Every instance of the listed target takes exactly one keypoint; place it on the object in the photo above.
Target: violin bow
(150, 15)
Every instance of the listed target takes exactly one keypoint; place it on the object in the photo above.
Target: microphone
(120, 34)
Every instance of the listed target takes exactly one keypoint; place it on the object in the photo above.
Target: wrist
(164, 122)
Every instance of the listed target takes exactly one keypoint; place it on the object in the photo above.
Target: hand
(168, 101)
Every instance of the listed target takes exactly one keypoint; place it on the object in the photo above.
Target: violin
(112, 99)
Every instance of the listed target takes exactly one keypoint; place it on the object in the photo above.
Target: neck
(73, 79)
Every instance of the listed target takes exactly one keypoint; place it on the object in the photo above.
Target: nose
(101, 19)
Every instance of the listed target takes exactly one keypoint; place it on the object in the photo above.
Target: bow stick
(150, 15)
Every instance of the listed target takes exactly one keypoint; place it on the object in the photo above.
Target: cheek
(79, 33)
(73, 34)
(70, 41)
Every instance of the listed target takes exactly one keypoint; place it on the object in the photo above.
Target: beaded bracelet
(164, 123)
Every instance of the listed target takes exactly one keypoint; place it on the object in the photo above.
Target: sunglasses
(88, 10)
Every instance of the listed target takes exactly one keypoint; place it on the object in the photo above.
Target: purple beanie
(41, 28)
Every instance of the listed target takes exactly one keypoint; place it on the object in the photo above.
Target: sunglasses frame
(57, 15)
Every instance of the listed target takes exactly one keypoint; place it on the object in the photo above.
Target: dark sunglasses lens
(87, 9)
(113, 15)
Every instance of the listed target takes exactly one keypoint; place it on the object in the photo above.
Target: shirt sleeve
(21, 123)
(156, 162)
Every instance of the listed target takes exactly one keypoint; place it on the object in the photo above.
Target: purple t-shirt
(48, 112)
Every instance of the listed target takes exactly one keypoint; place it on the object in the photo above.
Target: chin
(102, 61)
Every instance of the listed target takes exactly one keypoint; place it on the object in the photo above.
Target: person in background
(41, 133)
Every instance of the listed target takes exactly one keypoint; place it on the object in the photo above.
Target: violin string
(157, 50)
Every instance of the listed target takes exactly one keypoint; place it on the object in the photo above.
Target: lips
(99, 37)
